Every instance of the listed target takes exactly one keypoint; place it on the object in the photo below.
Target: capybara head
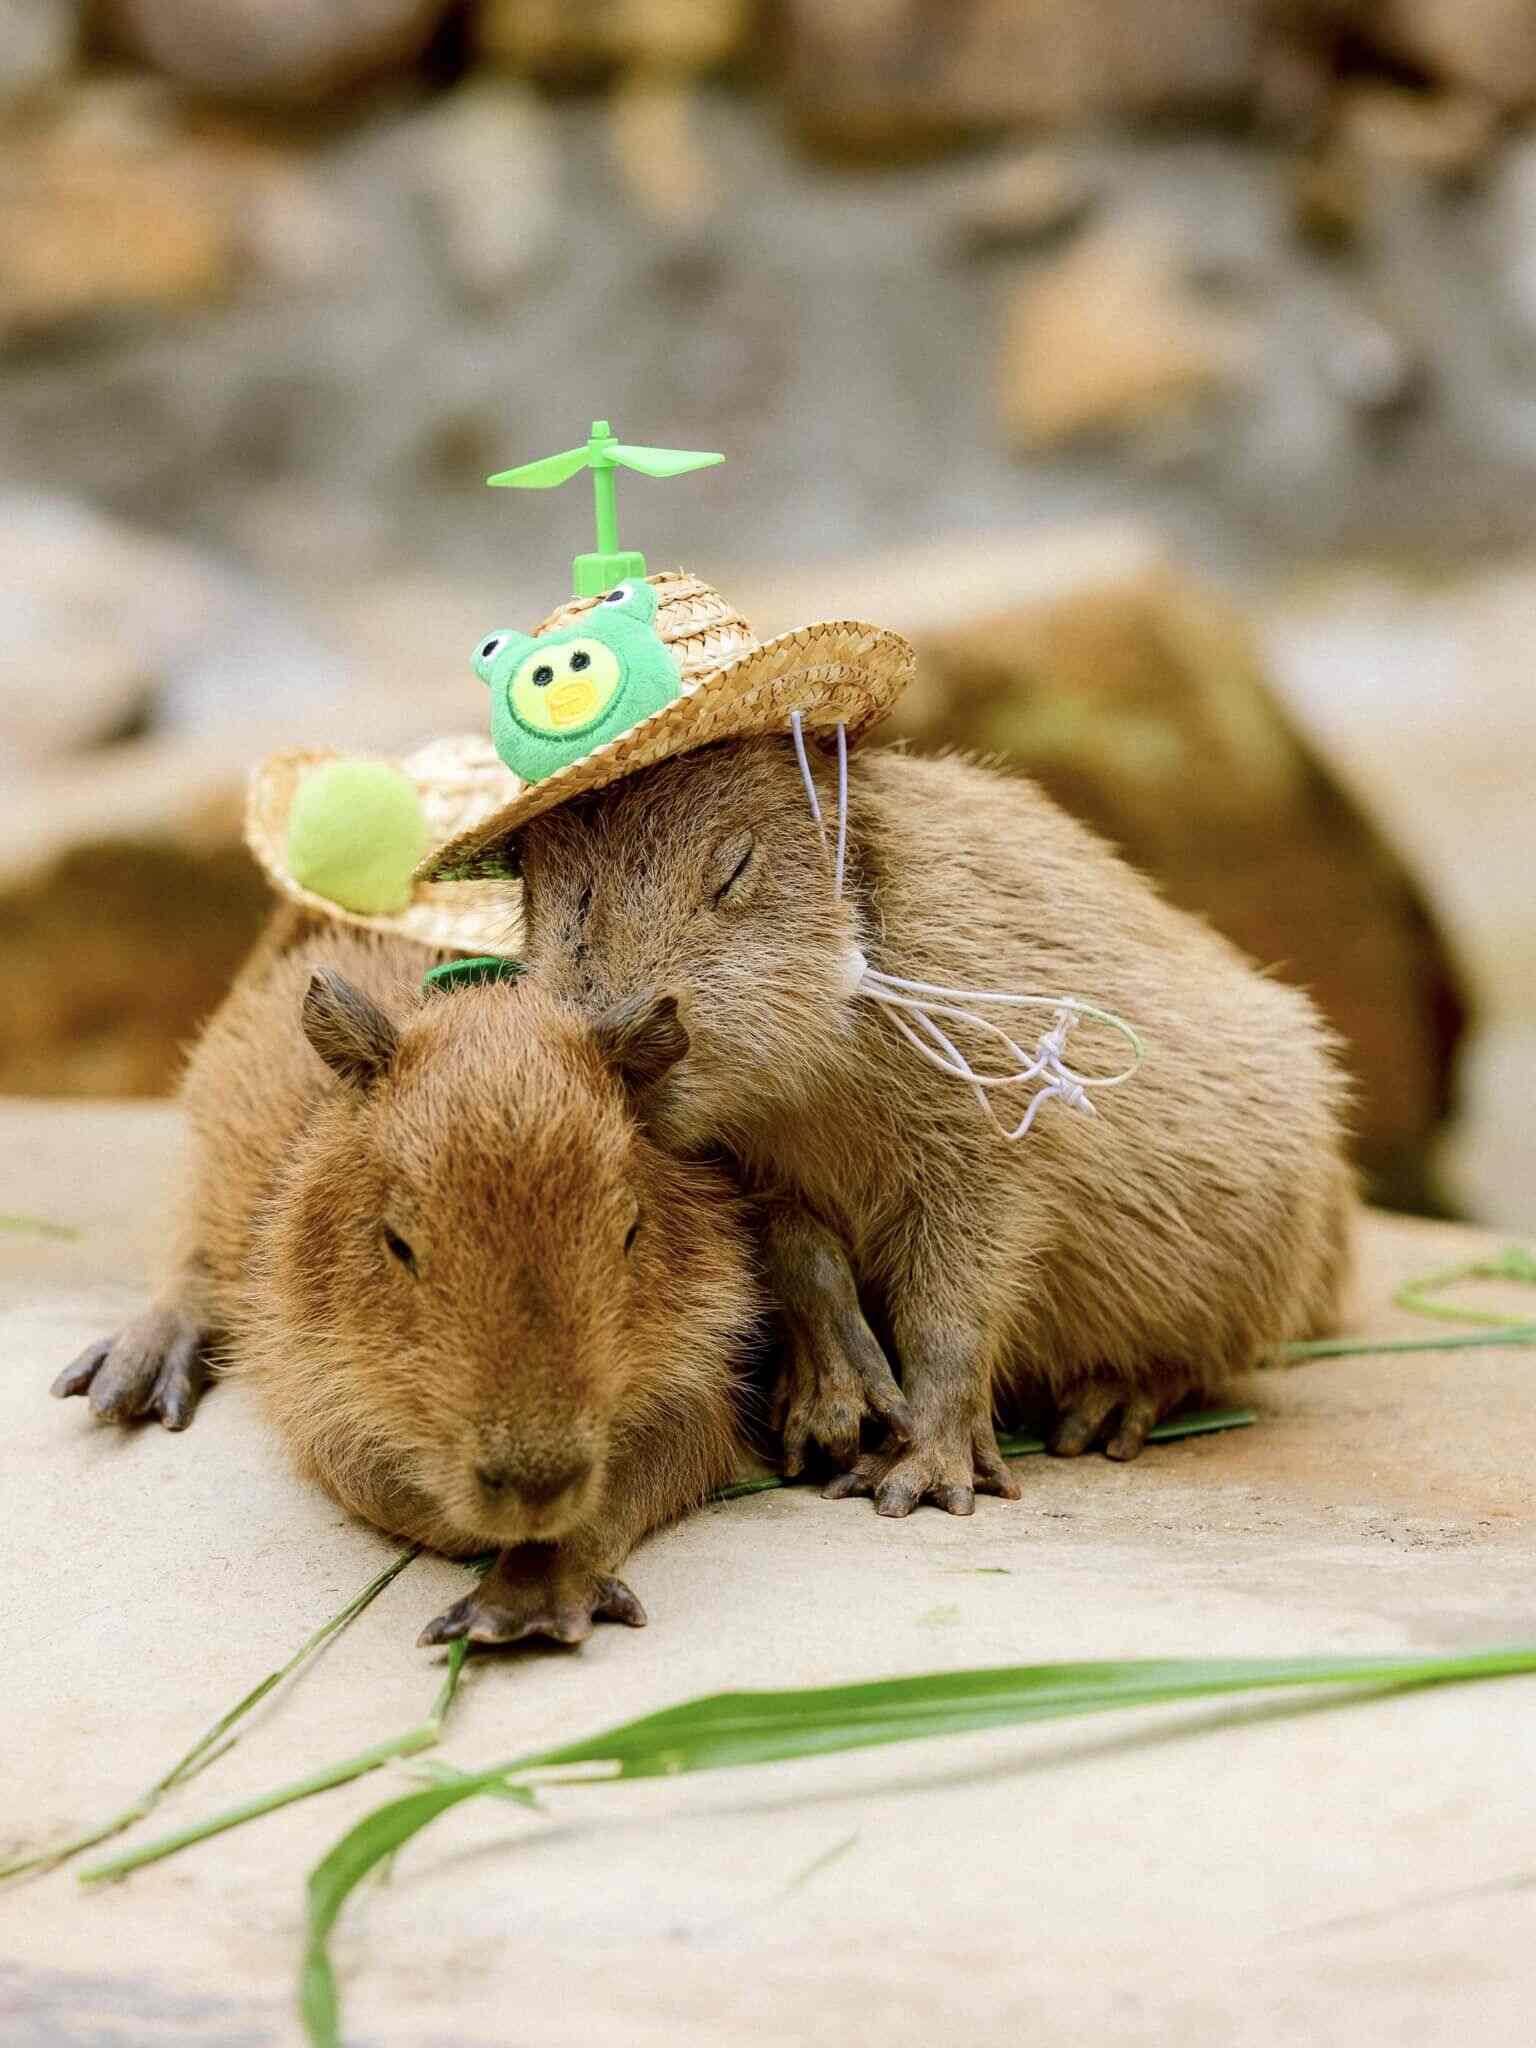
(704, 875)
(481, 1265)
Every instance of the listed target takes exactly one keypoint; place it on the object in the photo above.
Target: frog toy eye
(495, 644)
(630, 600)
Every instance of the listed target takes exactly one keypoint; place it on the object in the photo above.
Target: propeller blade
(540, 475)
(662, 461)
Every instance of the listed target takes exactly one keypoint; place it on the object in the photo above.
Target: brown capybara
(1108, 1266)
(479, 1303)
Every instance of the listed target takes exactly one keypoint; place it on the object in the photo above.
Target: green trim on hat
(472, 973)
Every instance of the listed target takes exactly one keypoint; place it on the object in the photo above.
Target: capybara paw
(562, 1608)
(825, 1397)
(828, 1413)
(946, 1475)
(157, 1366)
(1113, 1415)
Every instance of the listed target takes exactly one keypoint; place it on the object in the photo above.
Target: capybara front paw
(157, 1366)
(936, 1469)
(1113, 1414)
(540, 1595)
(824, 1400)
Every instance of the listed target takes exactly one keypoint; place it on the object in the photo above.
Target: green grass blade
(1463, 1340)
(1514, 1263)
(726, 1730)
(215, 1741)
(268, 1802)
(326, 1780)
(39, 1226)
(198, 1758)
(1203, 1423)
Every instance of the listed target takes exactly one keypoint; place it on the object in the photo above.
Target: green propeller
(603, 453)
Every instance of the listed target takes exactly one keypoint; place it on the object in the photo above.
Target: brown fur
(1112, 1263)
(495, 1133)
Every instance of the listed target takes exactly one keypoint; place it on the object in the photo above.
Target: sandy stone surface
(1197, 1878)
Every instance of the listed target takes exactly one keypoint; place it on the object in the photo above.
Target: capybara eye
(543, 675)
(581, 659)
(743, 848)
(634, 1232)
(397, 1248)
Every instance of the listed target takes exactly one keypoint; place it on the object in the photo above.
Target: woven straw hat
(461, 784)
(734, 687)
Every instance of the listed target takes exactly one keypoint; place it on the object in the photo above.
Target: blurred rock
(107, 629)
(274, 52)
(667, 171)
(38, 41)
(1487, 46)
(1114, 339)
(1023, 198)
(1138, 700)
(887, 74)
(555, 39)
(112, 955)
(486, 162)
(103, 210)
(1447, 136)
(93, 617)
(1372, 366)
(1331, 195)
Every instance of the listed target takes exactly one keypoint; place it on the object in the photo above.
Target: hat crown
(701, 630)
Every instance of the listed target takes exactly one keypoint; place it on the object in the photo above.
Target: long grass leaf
(39, 1226)
(1014, 1445)
(1463, 1340)
(727, 1730)
(216, 1741)
(423, 1736)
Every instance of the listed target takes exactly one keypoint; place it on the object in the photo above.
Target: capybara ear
(351, 1034)
(642, 1038)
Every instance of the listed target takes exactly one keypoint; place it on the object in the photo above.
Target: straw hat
(733, 687)
(459, 784)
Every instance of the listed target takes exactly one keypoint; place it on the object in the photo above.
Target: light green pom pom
(355, 834)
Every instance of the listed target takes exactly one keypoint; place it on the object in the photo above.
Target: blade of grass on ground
(38, 1226)
(1514, 1263)
(211, 1745)
(726, 1730)
(1464, 1340)
(422, 1736)
(1016, 1446)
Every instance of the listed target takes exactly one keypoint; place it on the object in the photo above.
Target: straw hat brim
(842, 672)
(460, 783)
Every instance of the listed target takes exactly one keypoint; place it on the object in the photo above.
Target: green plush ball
(355, 835)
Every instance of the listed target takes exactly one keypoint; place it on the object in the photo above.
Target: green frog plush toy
(556, 697)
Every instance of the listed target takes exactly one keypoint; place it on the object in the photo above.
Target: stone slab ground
(1354, 1873)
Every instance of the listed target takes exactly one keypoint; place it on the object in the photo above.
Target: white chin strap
(914, 1006)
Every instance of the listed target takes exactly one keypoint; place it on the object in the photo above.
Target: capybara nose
(538, 1486)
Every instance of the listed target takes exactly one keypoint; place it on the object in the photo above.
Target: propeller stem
(606, 497)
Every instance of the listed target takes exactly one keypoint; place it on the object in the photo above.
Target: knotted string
(926, 1001)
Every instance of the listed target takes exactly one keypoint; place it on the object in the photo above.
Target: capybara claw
(157, 1365)
(1113, 1415)
(562, 1607)
(901, 1478)
(77, 1377)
